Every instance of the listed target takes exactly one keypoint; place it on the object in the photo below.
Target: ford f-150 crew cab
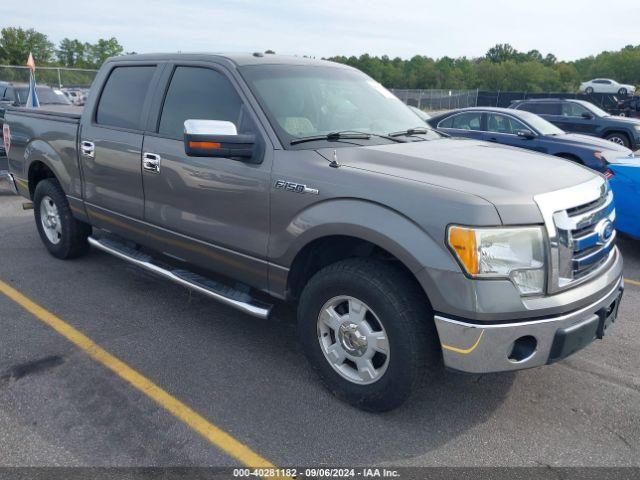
(244, 175)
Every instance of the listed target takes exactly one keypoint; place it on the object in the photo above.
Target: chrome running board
(228, 295)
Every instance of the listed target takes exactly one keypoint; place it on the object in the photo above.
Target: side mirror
(587, 115)
(216, 138)
(528, 134)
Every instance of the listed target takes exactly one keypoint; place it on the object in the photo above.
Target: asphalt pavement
(248, 377)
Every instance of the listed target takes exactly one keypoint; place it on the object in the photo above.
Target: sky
(569, 29)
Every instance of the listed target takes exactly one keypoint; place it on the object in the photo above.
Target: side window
(198, 93)
(446, 123)
(571, 109)
(502, 124)
(467, 121)
(123, 97)
(529, 107)
(548, 108)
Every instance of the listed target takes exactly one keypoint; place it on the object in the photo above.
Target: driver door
(212, 212)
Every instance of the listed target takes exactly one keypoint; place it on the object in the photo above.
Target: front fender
(370, 221)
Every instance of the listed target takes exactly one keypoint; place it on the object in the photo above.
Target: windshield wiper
(333, 136)
(343, 135)
(410, 131)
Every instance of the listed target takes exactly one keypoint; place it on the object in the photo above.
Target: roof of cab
(239, 59)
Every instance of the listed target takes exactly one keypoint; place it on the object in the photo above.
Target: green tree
(104, 49)
(17, 43)
(73, 53)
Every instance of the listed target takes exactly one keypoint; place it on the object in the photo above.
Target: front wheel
(619, 138)
(622, 92)
(62, 235)
(367, 329)
(589, 91)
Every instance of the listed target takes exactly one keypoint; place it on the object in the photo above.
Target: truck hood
(507, 177)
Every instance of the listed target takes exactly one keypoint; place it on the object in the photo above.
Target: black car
(578, 116)
(523, 129)
(629, 107)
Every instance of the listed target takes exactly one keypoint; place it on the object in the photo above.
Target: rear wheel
(63, 235)
(367, 329)
(619, 138)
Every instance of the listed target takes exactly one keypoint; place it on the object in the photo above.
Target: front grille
(586, 238)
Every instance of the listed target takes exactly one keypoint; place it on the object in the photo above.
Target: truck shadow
(446, 405)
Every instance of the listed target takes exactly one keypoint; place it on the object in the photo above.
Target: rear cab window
(123, 96)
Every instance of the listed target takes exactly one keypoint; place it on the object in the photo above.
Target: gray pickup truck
(250, 177)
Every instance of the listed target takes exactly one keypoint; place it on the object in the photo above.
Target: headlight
(513, 253)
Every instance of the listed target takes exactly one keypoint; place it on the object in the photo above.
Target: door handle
(151, 162)
(87, 148)
(493, 139)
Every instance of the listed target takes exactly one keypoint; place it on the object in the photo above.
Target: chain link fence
(435, 99)
(53, 76)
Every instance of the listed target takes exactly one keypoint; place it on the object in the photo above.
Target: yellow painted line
(632, 282)
(464, 351)
(213, 434)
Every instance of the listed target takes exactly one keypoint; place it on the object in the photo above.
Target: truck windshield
(307, 101)
(46, 96)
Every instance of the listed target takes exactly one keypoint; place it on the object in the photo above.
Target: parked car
(75, 96)
(578, 116)
(625, 183)
(519, 128)
(606, 85)
(308, 181)
(629, 107)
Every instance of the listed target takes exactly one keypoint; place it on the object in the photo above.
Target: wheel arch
(38, 171)
(358, 229)
(611, 130)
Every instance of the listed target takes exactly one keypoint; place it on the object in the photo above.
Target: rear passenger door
(213, 212)
(111, 149)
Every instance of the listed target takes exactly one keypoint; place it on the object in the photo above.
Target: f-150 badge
(295, 187)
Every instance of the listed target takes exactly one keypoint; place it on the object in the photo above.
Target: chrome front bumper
(484, 348)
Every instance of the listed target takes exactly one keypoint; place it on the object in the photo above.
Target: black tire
(589, 91)
(622, 92)
(72, 239)
(619, 138)
(402, 309)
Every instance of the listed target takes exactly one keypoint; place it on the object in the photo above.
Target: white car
(606, 85)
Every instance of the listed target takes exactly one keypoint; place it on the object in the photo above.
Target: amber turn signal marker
(463, 242)
(205, 145)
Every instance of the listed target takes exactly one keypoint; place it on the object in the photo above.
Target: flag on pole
(32, 98)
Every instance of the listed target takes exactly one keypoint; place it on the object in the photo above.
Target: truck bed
(69, 112)
(51, 133)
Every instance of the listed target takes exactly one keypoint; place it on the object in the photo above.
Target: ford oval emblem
(605, 231)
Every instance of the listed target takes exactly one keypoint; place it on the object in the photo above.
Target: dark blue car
(578, 116)
(519, 128)
(522, 129)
